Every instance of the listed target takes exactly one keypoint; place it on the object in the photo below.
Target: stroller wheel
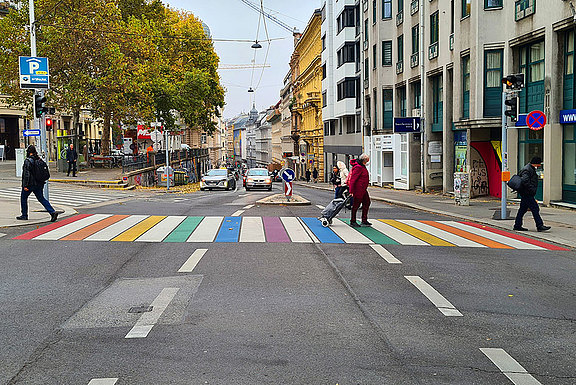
(325, 222)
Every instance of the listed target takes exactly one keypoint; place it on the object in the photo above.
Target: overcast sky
(232, 19)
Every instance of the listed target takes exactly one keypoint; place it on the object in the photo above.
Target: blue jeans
(38, 191)
(528, 203)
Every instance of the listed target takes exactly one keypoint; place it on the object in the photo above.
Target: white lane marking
(436, 298)
(206, 230)
(2, 235)
(192, 261)
(493, 236)
(147, 320)
(248, 207)
(161, 229)
(445, 235)
(296, 230)
(71, 227)
(103, 381)
(385, 254)
(398, 235)
(117, 228)
(238, 213)
(320, 207)
(347, 233)
(509, 367)
(308, 231)
(252, 230)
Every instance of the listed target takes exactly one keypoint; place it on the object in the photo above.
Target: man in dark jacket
(31, 185)
(527, 193)
(358, 182)
(71, 158)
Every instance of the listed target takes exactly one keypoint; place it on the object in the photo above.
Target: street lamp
(256, 45)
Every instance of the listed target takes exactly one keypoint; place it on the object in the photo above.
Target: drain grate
(140, 309)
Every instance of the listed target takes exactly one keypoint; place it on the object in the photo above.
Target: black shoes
(520, 228)
(543, 228)
(354, 224)
(366, 223)
(22, 218)
(53, 216)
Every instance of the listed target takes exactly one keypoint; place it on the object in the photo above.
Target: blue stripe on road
(324, 234)
(229, 230)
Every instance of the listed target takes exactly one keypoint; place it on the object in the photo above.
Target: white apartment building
(461, 49)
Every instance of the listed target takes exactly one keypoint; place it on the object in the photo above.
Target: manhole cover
(140, 309)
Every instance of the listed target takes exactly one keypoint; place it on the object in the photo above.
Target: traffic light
(514, 82)
(49, 124)
(39, 105)
(512, 108)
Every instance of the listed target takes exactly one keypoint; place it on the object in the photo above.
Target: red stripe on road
(531, 241)
(53, 226)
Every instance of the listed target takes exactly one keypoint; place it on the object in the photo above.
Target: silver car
(218, 178)
(258, 178)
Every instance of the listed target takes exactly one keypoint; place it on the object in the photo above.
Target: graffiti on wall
(478, 175)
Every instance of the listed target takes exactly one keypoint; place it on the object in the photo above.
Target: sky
(232, 19)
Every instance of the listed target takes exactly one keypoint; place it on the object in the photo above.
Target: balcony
(414, 60)
(365, 44)
(399, 67)
(399, 18)
(414, 6)
(433, 51)
(451, 42)
(366, 83)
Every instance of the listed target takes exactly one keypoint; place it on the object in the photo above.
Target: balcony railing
(366, 83)
(451, 42)
(414, 60)
(399, 67)
(433, 51)
(414, 5)
(399, 18)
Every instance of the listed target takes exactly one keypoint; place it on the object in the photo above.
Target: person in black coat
(527, 193)
(308, 173)
(31, 185)
(71, 158)
(315, 175)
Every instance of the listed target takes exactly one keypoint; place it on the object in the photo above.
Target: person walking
(315, 175)
(71, 158)
(358, 182)
(32, 184)
(335, 180)
(308, 173)
(527, 193)
(343, 178)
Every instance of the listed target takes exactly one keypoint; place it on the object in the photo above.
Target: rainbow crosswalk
(220, 229)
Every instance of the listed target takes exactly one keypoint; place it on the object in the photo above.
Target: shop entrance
(531, 144)
(9, 135)
(569, 165)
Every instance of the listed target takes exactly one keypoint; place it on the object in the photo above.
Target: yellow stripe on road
(134, 232)
(431, 239)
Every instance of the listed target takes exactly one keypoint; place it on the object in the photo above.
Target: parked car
(218, 178)
(258, 177)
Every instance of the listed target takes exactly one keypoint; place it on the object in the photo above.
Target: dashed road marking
(192, 261)
(103, 381)
(436, 298)
(2, 235)
(238, 213)
(147, 321)
(248, 207)
(509, 367)
(320, 207)
(385, 254)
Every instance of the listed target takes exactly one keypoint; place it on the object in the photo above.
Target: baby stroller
(334, 207)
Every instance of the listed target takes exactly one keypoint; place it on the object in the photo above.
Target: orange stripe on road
(429, 238)
(93, 228)
(466, 235)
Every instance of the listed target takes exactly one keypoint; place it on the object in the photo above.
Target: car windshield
(258, 172)
(217, 173)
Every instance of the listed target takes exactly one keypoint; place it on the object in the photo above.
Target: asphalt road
(271, 313)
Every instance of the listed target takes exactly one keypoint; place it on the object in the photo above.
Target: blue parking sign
(34, 72)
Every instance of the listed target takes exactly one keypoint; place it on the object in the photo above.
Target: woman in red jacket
(358, 182)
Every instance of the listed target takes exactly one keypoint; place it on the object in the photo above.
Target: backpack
(515, 183)
(40, 171)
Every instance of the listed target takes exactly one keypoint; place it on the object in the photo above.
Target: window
(324, 101)
(437, 103)
(347, 18)
(466, 87)
(400, 44)
(374, 11)
(492, 4)
(323, 71)
(493, 83)
(323, 42)
(466, 4)
(374, 56)
(386, 9)
(366, 69)
(532, 66)
(346, 54)
(568, 90)
(524, 8)
(401, 91)
(375, 98)
(366, 33)
(387, 53)
(417, 95)
(350, 123)
(434, 28)
(400, 6)
(347, 88)
(327, 129)
(388, 109)
(415, 39)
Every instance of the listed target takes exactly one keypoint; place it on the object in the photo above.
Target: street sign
(31, 132)
(288, 189)
(288, 175)
(34, 72)
(407, 125)
(536, 120)
(567, 116)
(521, 120)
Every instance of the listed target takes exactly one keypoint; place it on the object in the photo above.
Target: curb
(76, 181)
(64, 214)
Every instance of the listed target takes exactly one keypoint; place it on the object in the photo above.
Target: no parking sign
(536, 120)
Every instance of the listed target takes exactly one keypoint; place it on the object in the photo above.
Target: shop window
(388, 109)
(466, 87)
(493, 83)
(531, 144)
(569, 166)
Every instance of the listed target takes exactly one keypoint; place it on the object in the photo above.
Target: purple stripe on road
(275, 230)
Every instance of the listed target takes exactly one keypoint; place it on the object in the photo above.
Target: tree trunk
(105, 148)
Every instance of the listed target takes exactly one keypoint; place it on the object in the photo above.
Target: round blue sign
(288, 175)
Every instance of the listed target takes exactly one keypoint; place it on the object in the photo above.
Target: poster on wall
(460, 158)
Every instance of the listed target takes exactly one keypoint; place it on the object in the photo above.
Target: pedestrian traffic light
(512, 108)
(39, 101)
(49, 124)
(514, 82)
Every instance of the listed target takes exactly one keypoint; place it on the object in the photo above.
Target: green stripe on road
(182, 232)
(373, 234)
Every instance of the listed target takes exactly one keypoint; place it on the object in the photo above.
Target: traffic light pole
(504, 150)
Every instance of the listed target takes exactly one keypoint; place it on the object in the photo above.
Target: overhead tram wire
(251, 90)
(268, 48)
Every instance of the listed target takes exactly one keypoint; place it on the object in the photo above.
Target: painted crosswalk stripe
(230, 230)
(252, 230)
(192, 261)
(147, 321)
(183, 231)
(296, 231)
(71, 227)
(136, 231)
(42, 230)
(206, 230)
(93, 228)
(385, 254)
(2, 235)
(161, 230)
(117, 228)
(275, 232)
(308, 231)
(103, 381)
(436, 298)
(397, 235)
(374, 235)
(347, 233)
(495, 237)
(445, 235)
(431, 239)
(509, 367)
(464, 234)
(324, 234)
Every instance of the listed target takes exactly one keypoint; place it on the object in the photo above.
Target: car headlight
(268, 181)
(250, 180)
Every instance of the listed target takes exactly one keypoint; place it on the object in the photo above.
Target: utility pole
(167, 168)
(504, 203)
(422, 100)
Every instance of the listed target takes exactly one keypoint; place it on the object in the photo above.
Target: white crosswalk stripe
(71, 196)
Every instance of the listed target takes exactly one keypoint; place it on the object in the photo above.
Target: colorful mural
(486, 169)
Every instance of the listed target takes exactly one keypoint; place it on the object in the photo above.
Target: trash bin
(180, 178)
(164, 174)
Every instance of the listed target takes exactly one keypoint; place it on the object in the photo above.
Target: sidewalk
(563, 221)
